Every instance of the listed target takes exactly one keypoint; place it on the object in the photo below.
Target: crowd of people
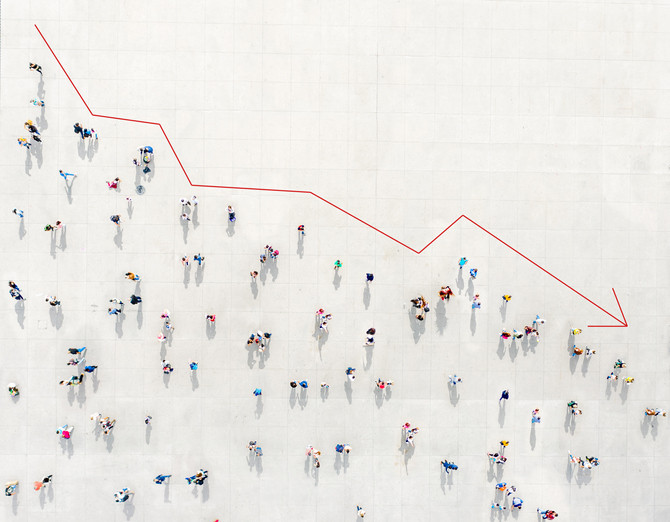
(261, 340)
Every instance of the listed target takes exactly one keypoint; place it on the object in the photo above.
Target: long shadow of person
(20, 309)
(63, 238)
(441, 317)
(118, 238)
(40, 89)
(301, 246)
(348, 390)
(37, 151)
(418, 326)
(22, 229)
(56, 314)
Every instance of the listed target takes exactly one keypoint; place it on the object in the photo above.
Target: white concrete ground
(545, 122)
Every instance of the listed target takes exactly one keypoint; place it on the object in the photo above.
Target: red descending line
(622, 323)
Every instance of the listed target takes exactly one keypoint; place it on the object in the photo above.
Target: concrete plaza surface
(547, 123)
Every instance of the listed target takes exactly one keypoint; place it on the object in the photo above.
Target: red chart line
(324, 200)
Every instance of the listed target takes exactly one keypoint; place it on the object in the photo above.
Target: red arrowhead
(622, 324)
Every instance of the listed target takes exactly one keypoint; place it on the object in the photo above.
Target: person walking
(535, 416)
(52, 300)
(123, 495)
(10, 488)
(462, 262)
(39, 484)
(445, 293)
(448, 466)
(199, 478)
(65, 431)
(504, 395)
(35, 67)
(15, 291)
(161, 478)
(66, 174)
